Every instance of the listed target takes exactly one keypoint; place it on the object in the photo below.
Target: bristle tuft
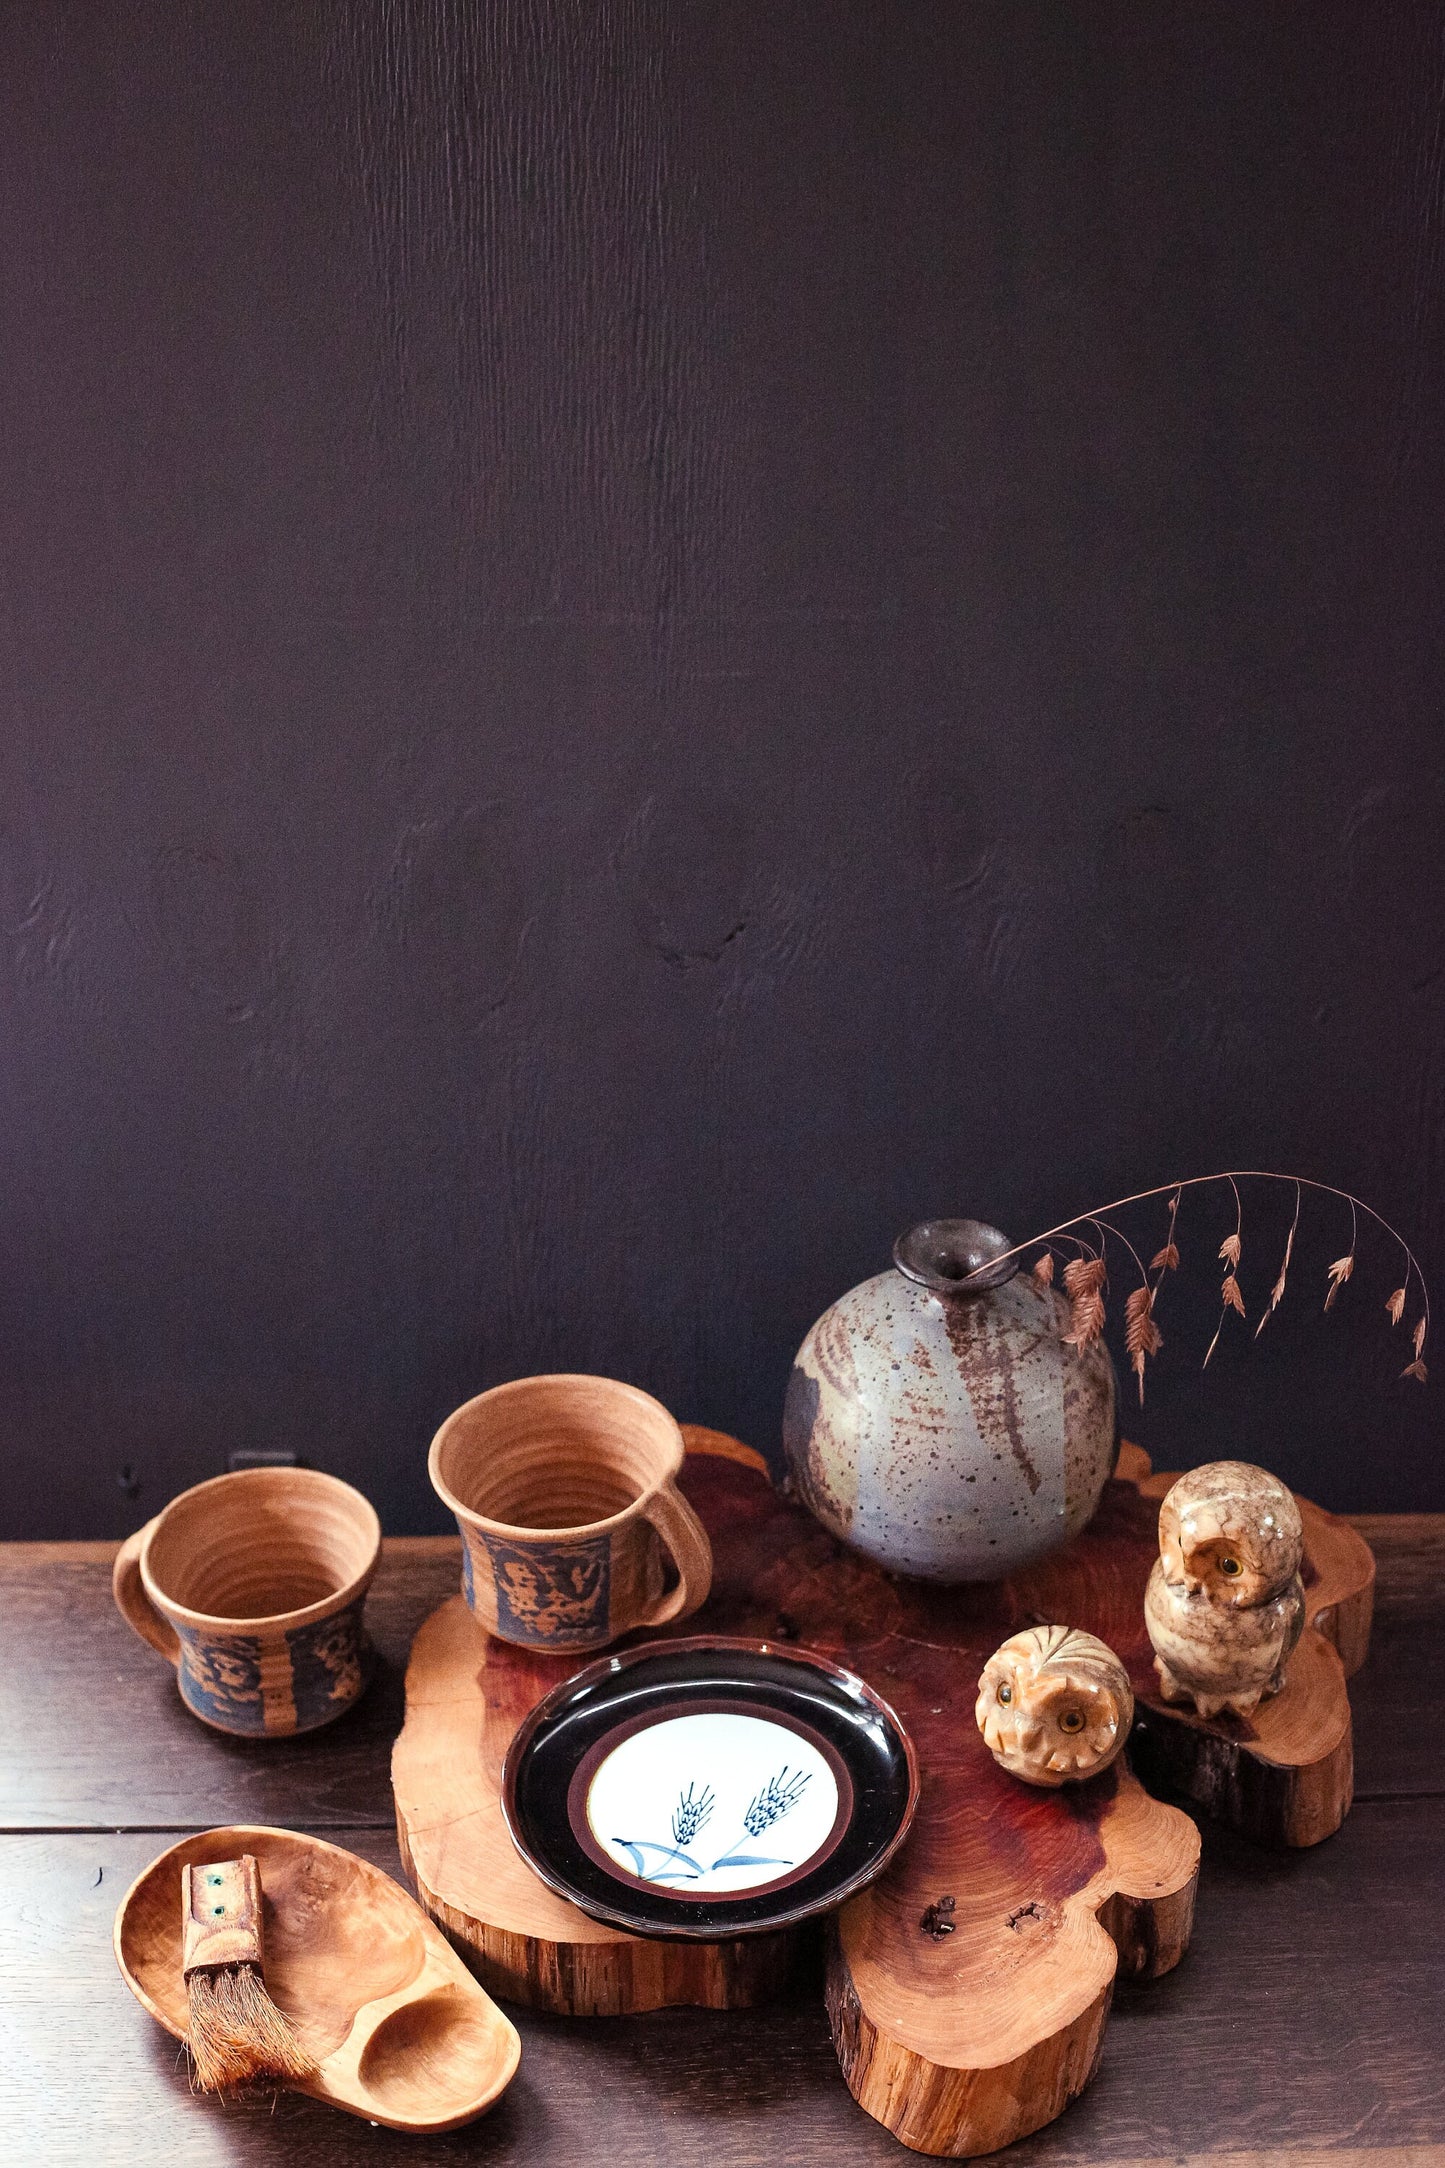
(237, 2033)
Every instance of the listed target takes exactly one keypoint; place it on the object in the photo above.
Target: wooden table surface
(1305, 2025)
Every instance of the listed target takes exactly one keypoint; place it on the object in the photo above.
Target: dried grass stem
(1086, 1288)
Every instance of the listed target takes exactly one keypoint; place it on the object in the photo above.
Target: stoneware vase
(940, 1424)
(252, 1585)
(565, 1494)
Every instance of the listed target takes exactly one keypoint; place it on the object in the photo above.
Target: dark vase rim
(945, 1256)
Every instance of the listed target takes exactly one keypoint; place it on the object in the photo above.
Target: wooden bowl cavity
(403, 2034)
(433, 2047)
(263, 1544)
(555, 1452)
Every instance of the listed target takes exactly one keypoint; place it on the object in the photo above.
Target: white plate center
(712, 1803)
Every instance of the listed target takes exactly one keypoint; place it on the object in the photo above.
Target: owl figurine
(1225, 1603)
(1054, 1705)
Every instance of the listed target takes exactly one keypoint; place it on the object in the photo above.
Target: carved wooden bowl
(402, 2032)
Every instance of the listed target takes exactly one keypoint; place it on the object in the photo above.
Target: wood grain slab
(961, 2025)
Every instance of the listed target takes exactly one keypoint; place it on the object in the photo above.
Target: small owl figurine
(1225, 1603)
(1054, 1705)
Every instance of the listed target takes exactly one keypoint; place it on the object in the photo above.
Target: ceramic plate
(708, 1787)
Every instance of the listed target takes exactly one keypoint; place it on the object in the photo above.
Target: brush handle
(221, 1907)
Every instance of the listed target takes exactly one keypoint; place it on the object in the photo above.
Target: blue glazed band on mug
(220, 1679)
(546, 1596)
(331, 1664)
(238, 1685)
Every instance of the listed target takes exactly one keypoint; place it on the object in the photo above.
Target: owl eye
(1005, 1695)
(1072, 1720)
(1231, 1566)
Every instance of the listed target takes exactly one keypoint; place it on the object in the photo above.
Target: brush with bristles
(237, 2033)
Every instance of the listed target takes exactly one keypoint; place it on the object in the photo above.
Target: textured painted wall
(641, 642)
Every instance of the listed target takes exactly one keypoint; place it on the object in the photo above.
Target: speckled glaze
(1225, 1602)
(947, 1434)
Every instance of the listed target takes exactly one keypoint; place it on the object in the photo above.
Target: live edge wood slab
(968, 1989)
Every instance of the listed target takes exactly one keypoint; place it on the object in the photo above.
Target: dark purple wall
(640, 642)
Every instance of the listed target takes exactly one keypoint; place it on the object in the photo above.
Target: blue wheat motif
(692, 1812)
(778, 1797)
(690, 1817)
(637, 1846)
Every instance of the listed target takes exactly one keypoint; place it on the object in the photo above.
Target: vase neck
(954, 1257)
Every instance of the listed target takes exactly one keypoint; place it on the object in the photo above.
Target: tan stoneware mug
(252, 1585)
(565, 1492)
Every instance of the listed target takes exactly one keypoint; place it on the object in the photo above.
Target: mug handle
(687, 1540)
(134, 1604)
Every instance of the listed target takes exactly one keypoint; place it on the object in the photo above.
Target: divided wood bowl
(403, 2033)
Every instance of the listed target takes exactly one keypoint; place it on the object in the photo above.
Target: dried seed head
(1165, 1260)
(1229, 1294)
(1084, 1281)
(1229, 1250)
(1419, 1334)
(1140, 1329)
(1043, 1272)
(1277, 1290)
(1396, 1305)
(1416, 1369)
(1142, 1337)
(1086, 1307)
(1340, 1271)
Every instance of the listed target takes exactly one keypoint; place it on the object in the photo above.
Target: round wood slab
(968, 1987)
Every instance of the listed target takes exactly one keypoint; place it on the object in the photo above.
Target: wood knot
(1025, 1916)
(938, 1920)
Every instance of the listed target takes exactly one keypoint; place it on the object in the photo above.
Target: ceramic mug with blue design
(252, 1585)
(565, 1492)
